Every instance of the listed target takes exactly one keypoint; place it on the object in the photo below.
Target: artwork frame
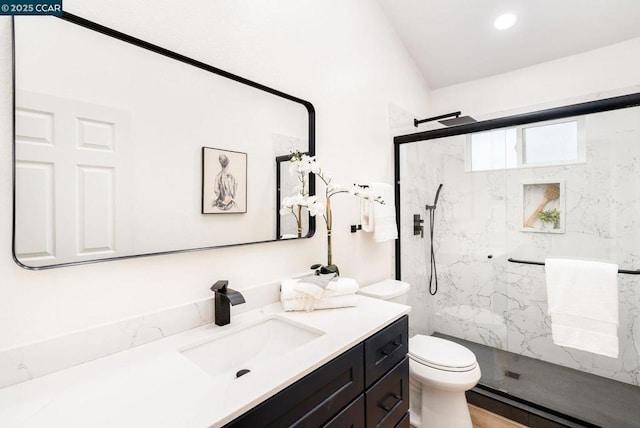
(224, 181)
(534, 193)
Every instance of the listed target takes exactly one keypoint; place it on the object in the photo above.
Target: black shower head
(457, 119)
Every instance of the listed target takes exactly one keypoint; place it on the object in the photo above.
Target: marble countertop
(155, 385)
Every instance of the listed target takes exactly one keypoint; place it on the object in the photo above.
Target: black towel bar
(527, 262)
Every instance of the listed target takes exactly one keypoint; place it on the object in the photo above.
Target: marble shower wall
(482, 297)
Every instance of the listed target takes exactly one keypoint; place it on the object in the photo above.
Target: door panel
(64, 144)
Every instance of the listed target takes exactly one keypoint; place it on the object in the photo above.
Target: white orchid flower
(293, 167)
(334, 187)
(287, 202)
(316, 208)
(308, 200)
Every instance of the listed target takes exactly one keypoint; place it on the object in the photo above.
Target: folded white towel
(583, 304)
(341, 286)
(338, 287)
(304, 295)
(384, 215)
(344, 301)
(314, 285)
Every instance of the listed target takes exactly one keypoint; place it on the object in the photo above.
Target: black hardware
(389, 348)
(242, 372)
(512, 375)
(605, 104)
(417, 122)
(224, 299)
(456, 121)
(435, 201)
(527, 262)
(433, 275)
(418, 228)
(389, 402)
(396, 181)
(357, 227)
(490, 256)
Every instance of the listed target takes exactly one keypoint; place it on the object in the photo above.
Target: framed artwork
(543, 208)
(224, 181)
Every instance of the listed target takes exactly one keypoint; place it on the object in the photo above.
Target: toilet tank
(391, 290)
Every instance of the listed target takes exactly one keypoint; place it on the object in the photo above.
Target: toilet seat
(441, 354)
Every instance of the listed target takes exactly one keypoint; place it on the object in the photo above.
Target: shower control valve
(418, 227)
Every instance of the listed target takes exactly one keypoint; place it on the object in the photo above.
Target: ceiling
(454, 41)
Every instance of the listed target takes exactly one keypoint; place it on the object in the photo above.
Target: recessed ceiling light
(504, 21)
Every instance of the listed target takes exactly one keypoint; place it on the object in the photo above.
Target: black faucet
(224, 297)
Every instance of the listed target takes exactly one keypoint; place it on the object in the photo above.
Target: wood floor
(482, 418)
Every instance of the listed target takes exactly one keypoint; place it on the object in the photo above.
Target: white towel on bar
(583, 304)
(384, 215)
(366, 214)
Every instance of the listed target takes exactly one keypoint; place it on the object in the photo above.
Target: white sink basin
(249, 347)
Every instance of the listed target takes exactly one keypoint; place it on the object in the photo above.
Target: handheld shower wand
(435, 201)
(433, 275)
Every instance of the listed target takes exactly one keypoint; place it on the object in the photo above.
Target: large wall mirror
(123, 148)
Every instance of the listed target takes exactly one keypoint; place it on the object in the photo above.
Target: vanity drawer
(351, 417)
(404, 423)
(386, 349)
(313, 400)
(388, 400)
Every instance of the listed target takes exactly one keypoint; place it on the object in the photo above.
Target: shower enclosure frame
(589, 107)
(501, 402)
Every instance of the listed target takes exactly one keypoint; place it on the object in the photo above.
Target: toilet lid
(385, 290)
(441, 354)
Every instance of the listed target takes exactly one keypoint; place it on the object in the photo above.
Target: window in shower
(495, 149)
(544, 144)
(552, 144)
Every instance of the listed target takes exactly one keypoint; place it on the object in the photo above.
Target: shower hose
(433, 275)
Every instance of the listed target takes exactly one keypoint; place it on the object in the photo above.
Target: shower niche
(543, 207)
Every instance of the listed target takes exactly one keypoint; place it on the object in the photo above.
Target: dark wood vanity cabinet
(365, 387)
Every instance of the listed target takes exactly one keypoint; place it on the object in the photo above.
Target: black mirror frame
(178, 57)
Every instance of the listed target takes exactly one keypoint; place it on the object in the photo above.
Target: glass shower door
(469, 246)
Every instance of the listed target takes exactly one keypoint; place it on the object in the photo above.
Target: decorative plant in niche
(305, 167)
(550, 216)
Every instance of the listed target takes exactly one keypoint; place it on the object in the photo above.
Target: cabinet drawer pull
(390, 402)
(389, 348)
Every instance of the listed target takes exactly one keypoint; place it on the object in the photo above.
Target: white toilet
(440, 371)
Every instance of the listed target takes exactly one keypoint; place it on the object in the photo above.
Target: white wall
(340, 55)
(596, 74)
